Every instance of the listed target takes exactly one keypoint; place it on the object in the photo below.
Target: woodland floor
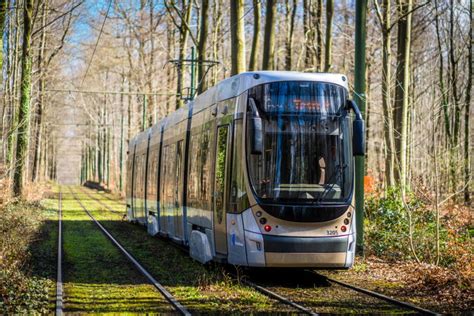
(428, 286)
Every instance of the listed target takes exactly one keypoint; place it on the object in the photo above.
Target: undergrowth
(388, 231)
(20, 291)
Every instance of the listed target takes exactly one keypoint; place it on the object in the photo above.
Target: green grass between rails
(201, 289)
(97, 277)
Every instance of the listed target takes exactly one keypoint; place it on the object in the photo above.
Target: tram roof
(234, 86)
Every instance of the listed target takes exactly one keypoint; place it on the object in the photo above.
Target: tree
(269, 36)
(184, 14)
(404, 10)
(257, 7)
(328, 45)
(24, 110)
(467, 171)
(290, 28)
(238, 36)
(203, 34)
(386, 91)
(3, 14)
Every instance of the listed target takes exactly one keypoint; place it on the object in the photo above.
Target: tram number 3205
(332, 232)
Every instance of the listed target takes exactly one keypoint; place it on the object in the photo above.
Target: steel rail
(279, 297)
(379, 296)
(176, 304)
(59, 276)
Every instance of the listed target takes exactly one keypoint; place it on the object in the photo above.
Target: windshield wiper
(338, 173)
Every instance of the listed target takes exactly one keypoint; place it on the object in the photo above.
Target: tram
(256, 171)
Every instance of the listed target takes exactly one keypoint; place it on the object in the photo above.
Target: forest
(81, 78)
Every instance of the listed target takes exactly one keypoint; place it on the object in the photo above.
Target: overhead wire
(97, 42)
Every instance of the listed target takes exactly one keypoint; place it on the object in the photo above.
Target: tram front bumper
(317, 252)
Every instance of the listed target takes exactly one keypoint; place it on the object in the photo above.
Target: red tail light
(267, 228)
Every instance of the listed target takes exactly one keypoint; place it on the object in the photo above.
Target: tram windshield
(306, 153)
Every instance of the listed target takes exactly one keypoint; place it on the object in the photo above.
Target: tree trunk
(389, 140)
(150, 78)
(290, 26)
(269, 41)
(467, 171)
(40, 102)
(237, 36)
(319, 35)
(328, 46)
(183, 39)
(202, 51)
(402, 88)
(3, 14)
(257, 13)
(24, 111)
(12, 133)
(456, 100)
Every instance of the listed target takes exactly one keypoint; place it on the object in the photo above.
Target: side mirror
(256, 129)
(358, 138)
(358, 130)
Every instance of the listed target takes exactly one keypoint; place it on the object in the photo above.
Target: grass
(97, 277)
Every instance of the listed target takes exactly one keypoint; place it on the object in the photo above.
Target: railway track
(374, 294)
(178, 307)
(265, 290)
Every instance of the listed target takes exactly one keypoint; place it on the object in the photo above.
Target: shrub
(388, 230)
(19, 291)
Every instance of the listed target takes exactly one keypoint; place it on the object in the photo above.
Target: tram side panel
(199, 179)
(171, 182)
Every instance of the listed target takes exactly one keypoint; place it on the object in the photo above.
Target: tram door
(220, 189)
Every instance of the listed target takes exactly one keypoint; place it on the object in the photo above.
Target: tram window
(238, 195)
(169, 180)
(221, 158)
(193, 179)
(136, 183)
(164, 169)
(152, 174)
(307, 152)
(178, 174)
(199, 170)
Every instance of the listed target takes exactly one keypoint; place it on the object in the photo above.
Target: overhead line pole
(359, 98)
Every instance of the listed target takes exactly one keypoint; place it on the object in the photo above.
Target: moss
(97, 277)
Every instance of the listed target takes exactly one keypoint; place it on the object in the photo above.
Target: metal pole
(359, 98)
(144, 113)
(191, 91)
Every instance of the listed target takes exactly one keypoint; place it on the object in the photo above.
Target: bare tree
(269, 36)
(238, 36)
(24, 110)
(257, 8)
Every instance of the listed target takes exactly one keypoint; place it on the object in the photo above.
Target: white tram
(256, 171)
